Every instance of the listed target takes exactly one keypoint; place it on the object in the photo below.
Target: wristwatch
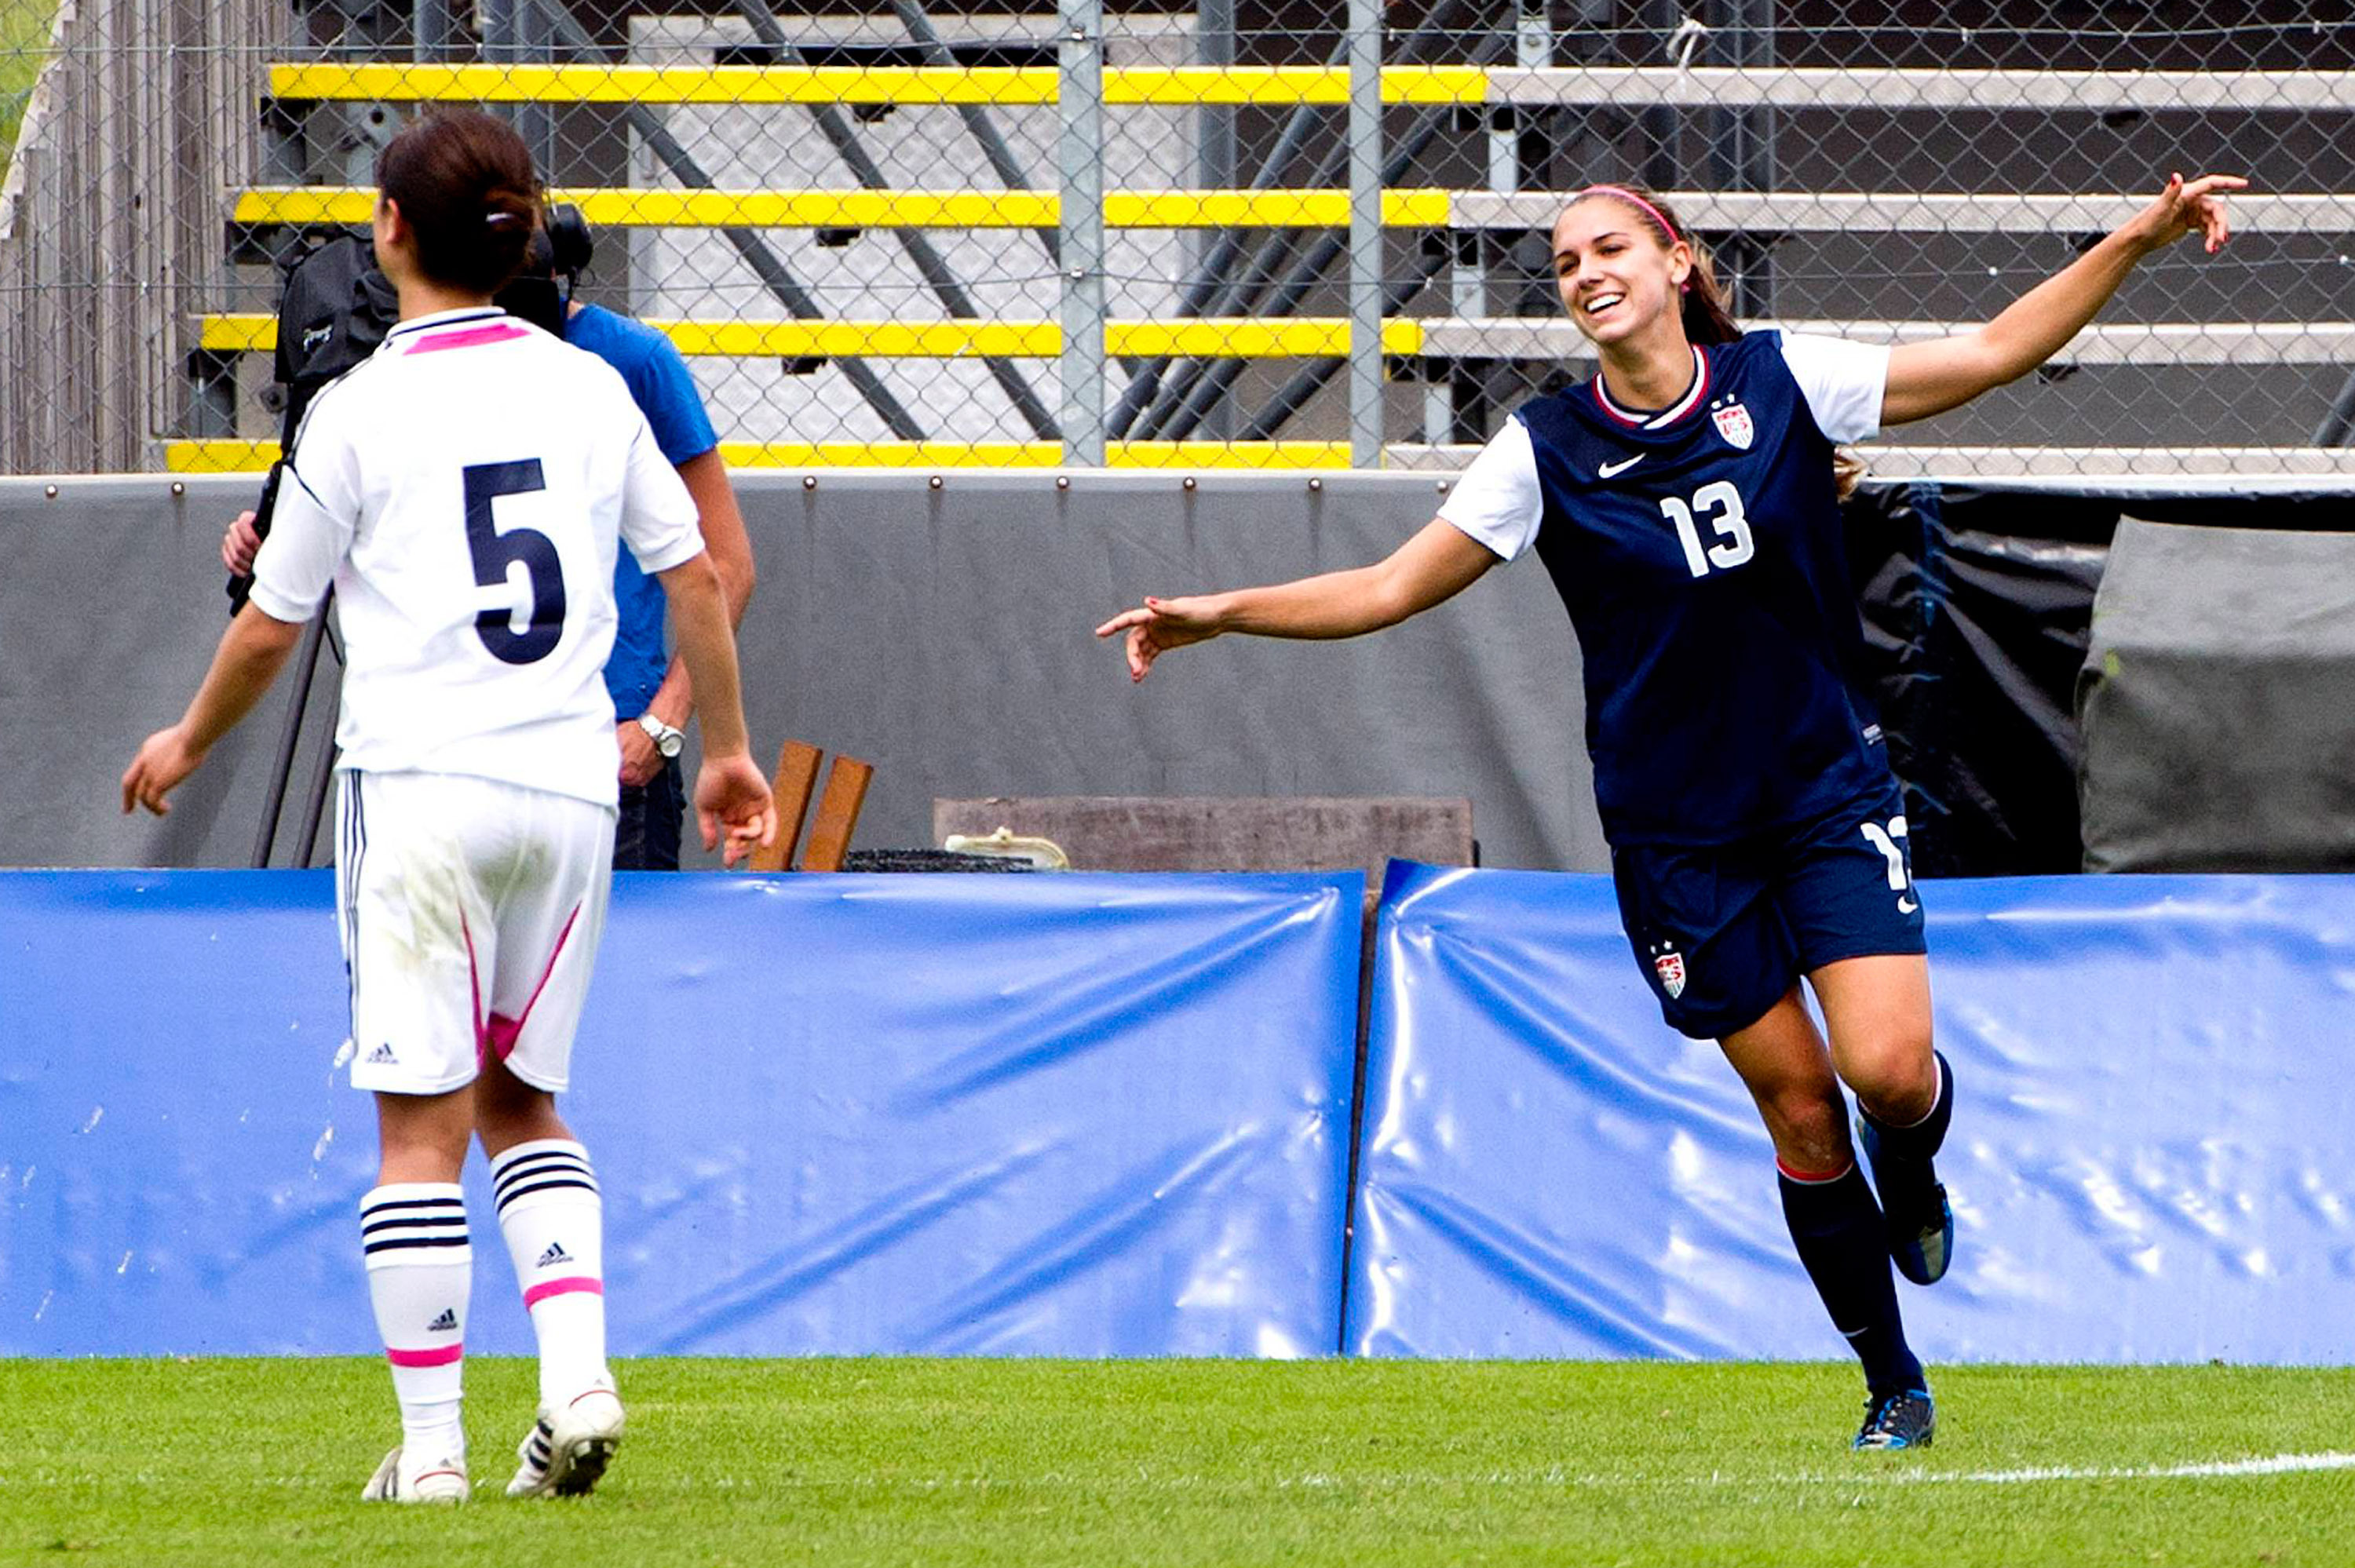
(667, 739)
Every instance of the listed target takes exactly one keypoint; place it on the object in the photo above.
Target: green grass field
(1378, 1464)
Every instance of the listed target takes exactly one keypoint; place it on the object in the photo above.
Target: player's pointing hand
(2188, 206)
(1158, 625)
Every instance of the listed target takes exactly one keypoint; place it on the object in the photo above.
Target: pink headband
(1624, 193)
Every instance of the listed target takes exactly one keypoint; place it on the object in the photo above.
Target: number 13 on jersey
(1722, 504)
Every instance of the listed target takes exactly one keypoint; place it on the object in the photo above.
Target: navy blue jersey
(1697, 549)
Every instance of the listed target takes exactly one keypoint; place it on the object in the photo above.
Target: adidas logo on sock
(445, 1324)
(384, 1054)
(554, 1255)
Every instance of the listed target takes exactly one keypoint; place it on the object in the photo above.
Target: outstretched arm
(1926, 378)
(1435, 565)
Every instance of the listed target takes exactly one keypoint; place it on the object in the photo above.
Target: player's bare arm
(1926, 378)
(729, 790)
(251, 653)
(729, 544)
(1435, 565)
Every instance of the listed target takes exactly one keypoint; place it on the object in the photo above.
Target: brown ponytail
(465, 185)
(1706, 318)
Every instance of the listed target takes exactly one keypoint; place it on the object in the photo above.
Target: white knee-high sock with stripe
(421, 1269)
(554, 1222)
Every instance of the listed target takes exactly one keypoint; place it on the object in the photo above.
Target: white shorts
(470, 914)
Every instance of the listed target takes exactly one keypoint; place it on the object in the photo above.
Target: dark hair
(465, 185)
(1706, 318)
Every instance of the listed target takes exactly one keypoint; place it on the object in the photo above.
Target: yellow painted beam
(1228, 337)
(909, 85)
(252, 457)
(612, 208)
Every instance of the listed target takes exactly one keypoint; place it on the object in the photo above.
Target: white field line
(2278, 1464)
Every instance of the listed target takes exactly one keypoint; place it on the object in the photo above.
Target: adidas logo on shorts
(554, 1255)
(383, 1053)
(445, 1324)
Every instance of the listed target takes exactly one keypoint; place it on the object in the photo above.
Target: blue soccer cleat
(1906, 1420)
(1921, 1221)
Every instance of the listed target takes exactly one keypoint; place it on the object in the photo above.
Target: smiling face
(1617, 279)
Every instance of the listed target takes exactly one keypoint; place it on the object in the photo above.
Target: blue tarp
(1085, 1114)
(1106, 1115)
(2156, 1077)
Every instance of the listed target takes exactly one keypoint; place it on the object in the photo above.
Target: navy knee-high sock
(1920, 1141)
(1842, 1243)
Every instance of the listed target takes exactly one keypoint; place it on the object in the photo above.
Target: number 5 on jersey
(1732, 525)
(495, 552)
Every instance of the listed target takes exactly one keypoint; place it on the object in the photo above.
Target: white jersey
(465, 490)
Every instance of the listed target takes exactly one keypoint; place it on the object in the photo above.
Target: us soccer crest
(1733, 424)
(1670, 966)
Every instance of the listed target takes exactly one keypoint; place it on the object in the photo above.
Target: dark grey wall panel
(941, 634)
(2218, 703)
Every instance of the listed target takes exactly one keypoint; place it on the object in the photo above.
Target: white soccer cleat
(565, 1454)
(403, 1480)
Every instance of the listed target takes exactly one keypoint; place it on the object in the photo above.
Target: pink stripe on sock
(548, 1288)
(1813, 1178)
(440, 1357)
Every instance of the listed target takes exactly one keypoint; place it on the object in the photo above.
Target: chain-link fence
(1222, 231)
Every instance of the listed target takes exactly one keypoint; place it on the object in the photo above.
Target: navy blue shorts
(1723, 931)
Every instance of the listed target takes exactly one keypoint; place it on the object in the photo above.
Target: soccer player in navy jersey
(1685, 501)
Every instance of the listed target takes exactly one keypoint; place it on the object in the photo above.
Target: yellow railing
(252, 457)
(905, 85)
(621, 208)
(1229, 337)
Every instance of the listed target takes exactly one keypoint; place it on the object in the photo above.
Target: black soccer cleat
(1921, 1221)
(1906, 1420)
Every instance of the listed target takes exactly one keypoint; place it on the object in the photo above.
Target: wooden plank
(837, 814)
(1249, 834)
(796, 775)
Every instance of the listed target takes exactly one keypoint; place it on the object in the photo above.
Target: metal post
(535, 122)
(1214, 140)
(1079, 168)
(1365, 233)
(428, 30)
(1742, 151)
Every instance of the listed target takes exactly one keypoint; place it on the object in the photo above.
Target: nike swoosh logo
(1609, 469)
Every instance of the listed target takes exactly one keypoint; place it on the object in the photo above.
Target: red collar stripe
(1668, 416)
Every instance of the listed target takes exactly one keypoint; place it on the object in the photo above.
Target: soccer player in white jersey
(466, 491)
(1686, 503)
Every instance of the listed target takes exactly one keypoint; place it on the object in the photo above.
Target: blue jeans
(645, 835)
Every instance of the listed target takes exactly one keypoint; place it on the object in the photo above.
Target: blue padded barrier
(1071, 1115)
(2149, 1160)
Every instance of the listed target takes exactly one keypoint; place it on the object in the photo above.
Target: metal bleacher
(1460, 325)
